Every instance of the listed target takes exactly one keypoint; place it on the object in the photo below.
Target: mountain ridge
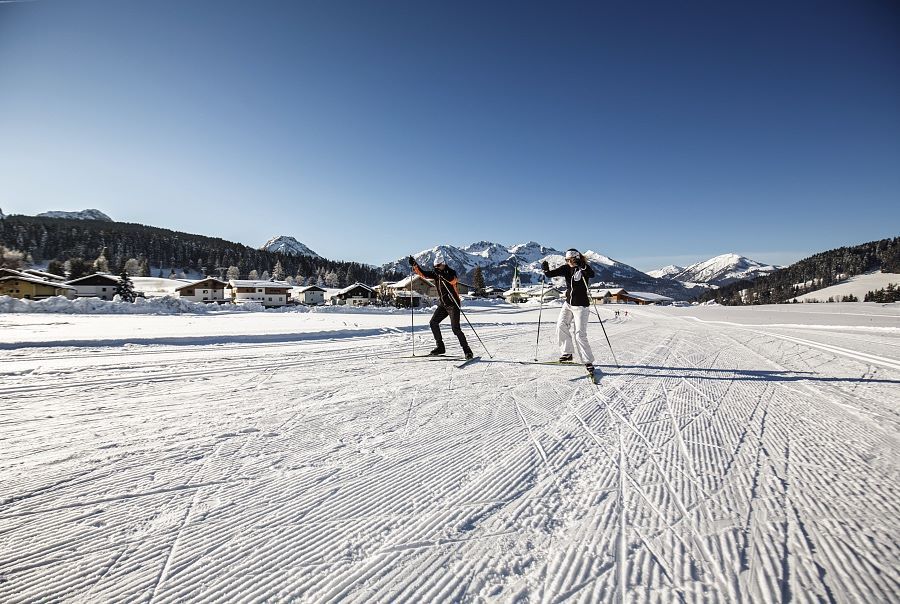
(90, 214)
(498, 262)
(717, 271)
(287, 245)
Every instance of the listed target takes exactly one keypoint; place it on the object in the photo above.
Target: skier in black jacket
(445, 280)
(577, 308)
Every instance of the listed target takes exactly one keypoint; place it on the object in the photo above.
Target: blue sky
(652, 132)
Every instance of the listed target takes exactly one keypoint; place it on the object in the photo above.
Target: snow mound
(164, 305)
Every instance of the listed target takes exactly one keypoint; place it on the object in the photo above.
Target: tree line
(810, 274)
(73, 248)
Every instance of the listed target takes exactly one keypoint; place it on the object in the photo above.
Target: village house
(492, 292)
(267, 293)
(620, 296)
(400, 295)
(357, 294)
(518, 295)
(423, 287)
(204, 290)
(26, 287)
(98, 285)
(651, 298)
(311, 295)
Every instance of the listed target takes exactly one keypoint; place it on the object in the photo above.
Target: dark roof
(35, 280)
(95, 279)
(197, 283)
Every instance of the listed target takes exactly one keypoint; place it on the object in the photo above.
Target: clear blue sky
(653, 132)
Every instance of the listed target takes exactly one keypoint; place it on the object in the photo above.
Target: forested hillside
(78, 246)
(816, 272)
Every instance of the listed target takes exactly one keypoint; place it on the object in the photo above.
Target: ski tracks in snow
(719, 463)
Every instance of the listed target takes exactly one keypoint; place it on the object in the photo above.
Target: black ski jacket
(445, 280)
(576, 291)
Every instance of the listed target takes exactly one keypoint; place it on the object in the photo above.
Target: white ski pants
(576, 316)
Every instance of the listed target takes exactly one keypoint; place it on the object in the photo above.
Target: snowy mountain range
(82, 215)
(282, 244)
(498, 262)
(718, 271)
(666, 272)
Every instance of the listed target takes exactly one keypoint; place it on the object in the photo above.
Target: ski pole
(588, 290)
(540, 310)
(412, 315)
(440, 281)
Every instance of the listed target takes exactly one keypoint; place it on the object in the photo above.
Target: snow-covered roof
(533, 290)
(603, 292)
(43, 275)
(194, 283)
(650, 297)
(106, 276)
(404, 282)
(350, 288)
(256, 283)
(36, 281)
(306, 288)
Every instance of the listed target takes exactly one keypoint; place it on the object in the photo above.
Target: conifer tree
(125, 288)
(478, 280)
(132, 267)
(56, 267)
(278, 271)
(101, 264)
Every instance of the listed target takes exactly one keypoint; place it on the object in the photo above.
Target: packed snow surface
(736, 455)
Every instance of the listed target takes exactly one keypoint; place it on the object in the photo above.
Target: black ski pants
(439, 315)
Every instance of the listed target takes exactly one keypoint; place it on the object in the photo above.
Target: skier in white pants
(576, 310)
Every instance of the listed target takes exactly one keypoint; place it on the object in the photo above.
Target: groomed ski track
(725, 461)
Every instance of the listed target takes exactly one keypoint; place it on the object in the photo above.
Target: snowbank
(165, 305)
(169, 305)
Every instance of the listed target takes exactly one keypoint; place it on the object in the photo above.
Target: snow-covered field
(858, 285)
(745, 454)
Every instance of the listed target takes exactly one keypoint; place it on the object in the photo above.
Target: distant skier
(445, 280)
(575, 309)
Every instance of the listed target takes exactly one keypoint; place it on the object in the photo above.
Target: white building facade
(204, 290)
(267, 293)
(311, 295)
(97, 285)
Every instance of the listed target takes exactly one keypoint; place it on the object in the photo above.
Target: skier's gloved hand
(582, 262)
(412, 261)
(545, 266)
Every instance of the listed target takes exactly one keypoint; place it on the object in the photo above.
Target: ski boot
(438, 351)
(566, 358)
(469, 354)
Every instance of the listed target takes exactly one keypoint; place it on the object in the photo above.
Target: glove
(582, 262)
(545, 266)
(412, 261)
